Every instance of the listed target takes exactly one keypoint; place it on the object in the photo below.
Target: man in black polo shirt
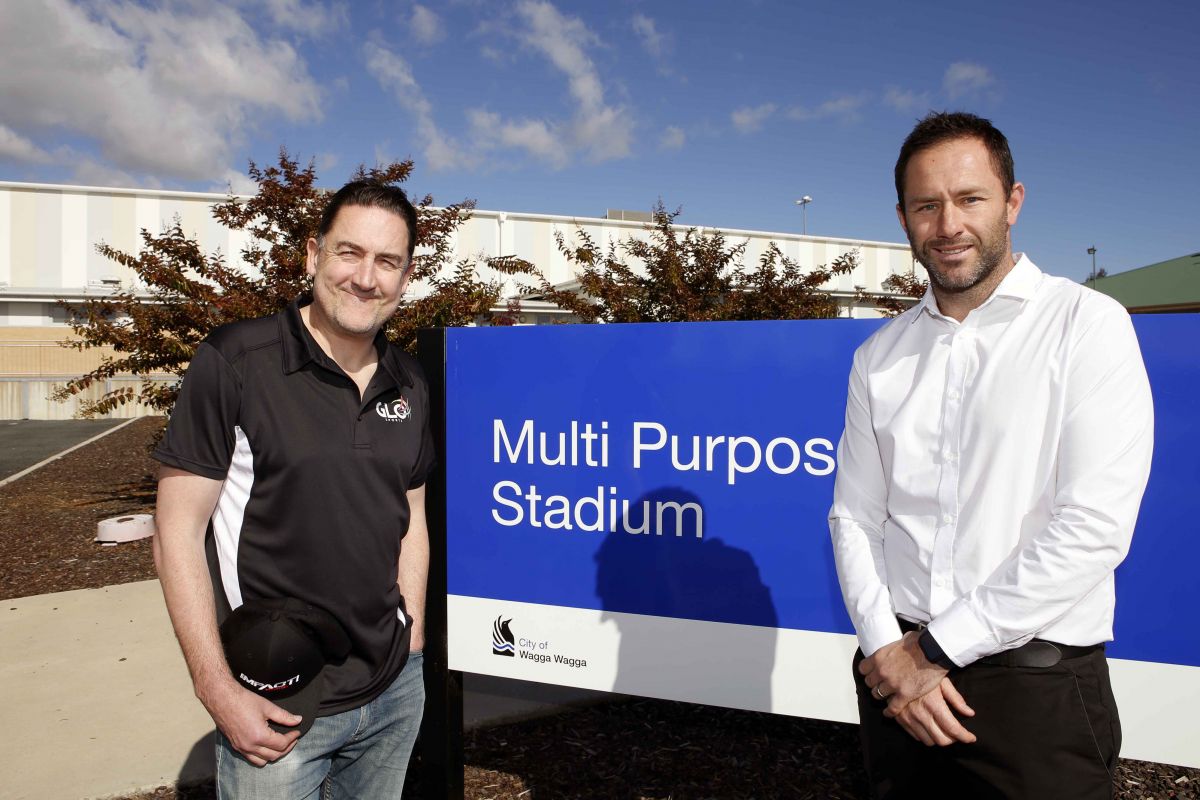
(294, 465)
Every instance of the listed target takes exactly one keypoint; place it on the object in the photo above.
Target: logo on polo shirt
(503, 641)
(394, 411)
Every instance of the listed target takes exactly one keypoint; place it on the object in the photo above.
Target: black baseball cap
(278, 648)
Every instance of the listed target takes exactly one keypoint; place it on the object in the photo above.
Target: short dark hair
(371, 194)
(945, 126)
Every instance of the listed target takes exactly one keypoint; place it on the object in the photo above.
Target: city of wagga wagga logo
(503, 641)
(394, 411)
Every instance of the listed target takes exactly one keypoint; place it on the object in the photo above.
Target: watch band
(933, 651)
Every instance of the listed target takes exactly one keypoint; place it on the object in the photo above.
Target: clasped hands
(919, 695)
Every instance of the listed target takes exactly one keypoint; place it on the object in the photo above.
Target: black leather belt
(1034, 653)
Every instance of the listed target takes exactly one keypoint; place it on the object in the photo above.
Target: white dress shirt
(990, 472)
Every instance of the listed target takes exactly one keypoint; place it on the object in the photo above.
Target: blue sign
(686, 471)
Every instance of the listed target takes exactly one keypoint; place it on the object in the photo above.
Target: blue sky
(730, 110)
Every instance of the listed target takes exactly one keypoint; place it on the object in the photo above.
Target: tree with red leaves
(192, 292)
(677, 276)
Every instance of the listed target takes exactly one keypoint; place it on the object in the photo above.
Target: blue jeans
(361, 753)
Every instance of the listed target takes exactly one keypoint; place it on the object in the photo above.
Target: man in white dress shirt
(997, 444)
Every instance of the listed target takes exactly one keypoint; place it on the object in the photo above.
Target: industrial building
(49, 233)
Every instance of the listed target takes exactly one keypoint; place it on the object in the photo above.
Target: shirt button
(949, 454)
(953, 394)
(947, 518)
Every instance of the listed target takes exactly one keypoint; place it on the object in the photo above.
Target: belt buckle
(1040, 654)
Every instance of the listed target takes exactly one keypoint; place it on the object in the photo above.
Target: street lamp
(803, 203)
(1092, 253)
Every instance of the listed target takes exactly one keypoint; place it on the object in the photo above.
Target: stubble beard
(351, 322)
(991, 253)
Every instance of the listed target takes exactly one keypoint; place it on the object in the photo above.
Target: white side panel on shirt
(231, 509)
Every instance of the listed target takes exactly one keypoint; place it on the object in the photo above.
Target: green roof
(1173, 283)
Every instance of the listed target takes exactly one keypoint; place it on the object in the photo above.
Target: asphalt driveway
(25, 442)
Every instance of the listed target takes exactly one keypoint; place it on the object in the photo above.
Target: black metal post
(441, 741)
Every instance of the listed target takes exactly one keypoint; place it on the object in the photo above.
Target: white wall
(49, 233)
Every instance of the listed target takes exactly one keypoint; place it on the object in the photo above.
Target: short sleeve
(200, 436)
(427, 457)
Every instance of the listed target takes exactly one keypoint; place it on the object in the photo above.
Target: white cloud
(15, 147)
(536, 137)
(383, 153)
(845, 107)
(964, 78)
(749, 119)
(426, 25)
(595, 128)
(236, 182)
(652, 41)
(395, 75)
(89, 172)
(672, 138)
(164, 91)
(906, 99)
(313, 18)
(494, 54)
(599, 130)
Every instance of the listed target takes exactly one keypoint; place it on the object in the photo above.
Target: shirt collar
(1020, 283)
(300, 348)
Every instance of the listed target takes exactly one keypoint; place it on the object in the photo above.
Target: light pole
(803, 203)
(1092, 253)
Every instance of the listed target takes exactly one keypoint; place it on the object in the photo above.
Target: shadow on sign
(668, 571)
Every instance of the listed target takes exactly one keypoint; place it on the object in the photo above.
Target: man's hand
(900, 673)
(242, 716)
(929, 718)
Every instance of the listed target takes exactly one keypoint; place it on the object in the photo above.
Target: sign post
(441, 738)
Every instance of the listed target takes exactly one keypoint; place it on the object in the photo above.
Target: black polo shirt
(313, 499)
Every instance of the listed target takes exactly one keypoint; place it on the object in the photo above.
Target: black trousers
(1047, 733)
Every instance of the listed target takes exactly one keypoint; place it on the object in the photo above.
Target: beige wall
(33, 365)
(27, 351)
(30, 399)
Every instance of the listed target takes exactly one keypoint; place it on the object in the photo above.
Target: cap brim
(304, 703)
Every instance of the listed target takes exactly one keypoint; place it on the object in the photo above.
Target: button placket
(361, 421)
(941, 578)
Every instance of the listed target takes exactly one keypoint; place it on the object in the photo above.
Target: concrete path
(95, 699)
(24, 443)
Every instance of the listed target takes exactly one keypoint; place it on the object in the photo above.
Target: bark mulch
(48, 518)
(634, 748)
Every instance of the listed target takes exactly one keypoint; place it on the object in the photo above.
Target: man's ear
(1016, 199)
(900, 216)
(313, 255)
